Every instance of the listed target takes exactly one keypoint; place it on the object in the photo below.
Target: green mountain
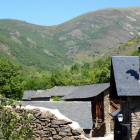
(87, 37)
(126, 49)
(19, 41)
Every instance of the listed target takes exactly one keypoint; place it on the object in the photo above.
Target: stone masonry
(131, 112)
(47, 126)
(107, 110)
(134, 112)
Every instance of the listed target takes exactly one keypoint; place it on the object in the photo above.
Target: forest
(99, 72)
(13, 80)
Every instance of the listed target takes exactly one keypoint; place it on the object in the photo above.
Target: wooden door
(99, 108)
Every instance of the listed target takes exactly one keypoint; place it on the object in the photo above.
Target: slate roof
(87, 91)
(76, 111)
(115, 113)
(28, 94)
(57, 90)
(126, 74)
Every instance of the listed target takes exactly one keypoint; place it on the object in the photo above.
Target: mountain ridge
(84, 38)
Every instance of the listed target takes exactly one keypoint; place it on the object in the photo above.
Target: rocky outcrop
(47, 126)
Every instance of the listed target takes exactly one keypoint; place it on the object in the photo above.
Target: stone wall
(131, 115)
(134, 117)
(107, 110)
(47, 126)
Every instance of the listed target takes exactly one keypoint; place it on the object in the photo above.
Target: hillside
(100, 31)
(126, 49)
(19, 41)
(85, 38)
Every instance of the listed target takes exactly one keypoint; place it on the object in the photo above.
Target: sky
(54, 12)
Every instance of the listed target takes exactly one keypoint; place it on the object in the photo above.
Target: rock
(37, 121)
(43, 124)
(61, 122)
(57, 137)
(61, 133)
(37, 135)
(66, 129)
(35, 111)
(48, 125)
(54, 132)
(43, 115)
(38, 115)
(44, 120)
(49, 115)
(46, 129)
(81, 137)
(68, 138)
(69, 134)
(50, 138)
(47, 132)
(34, 119)
(39, 127)
(54, 126)
(63, 125)
(33, 125)
(41, 132)
(34, 129)
(44, 138)
(58, 129)
(76, 132)
(49, 129)
(37, 139)
(30, 115)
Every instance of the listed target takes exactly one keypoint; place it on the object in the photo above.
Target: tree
(135, 53)
(74, 68)
(10, 80)
(56, 98)
(58, 79)
(86, 66)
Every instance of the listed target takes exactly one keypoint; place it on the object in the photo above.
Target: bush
(56, 98)
(14, 127)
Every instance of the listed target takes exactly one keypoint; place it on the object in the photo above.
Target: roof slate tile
(57, 90)
(126, 73)
(87, 91)
(77, 111)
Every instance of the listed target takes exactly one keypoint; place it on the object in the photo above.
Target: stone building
(101, 106)
(124, 86)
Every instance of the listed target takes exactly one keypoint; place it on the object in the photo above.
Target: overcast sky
(54, 12)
